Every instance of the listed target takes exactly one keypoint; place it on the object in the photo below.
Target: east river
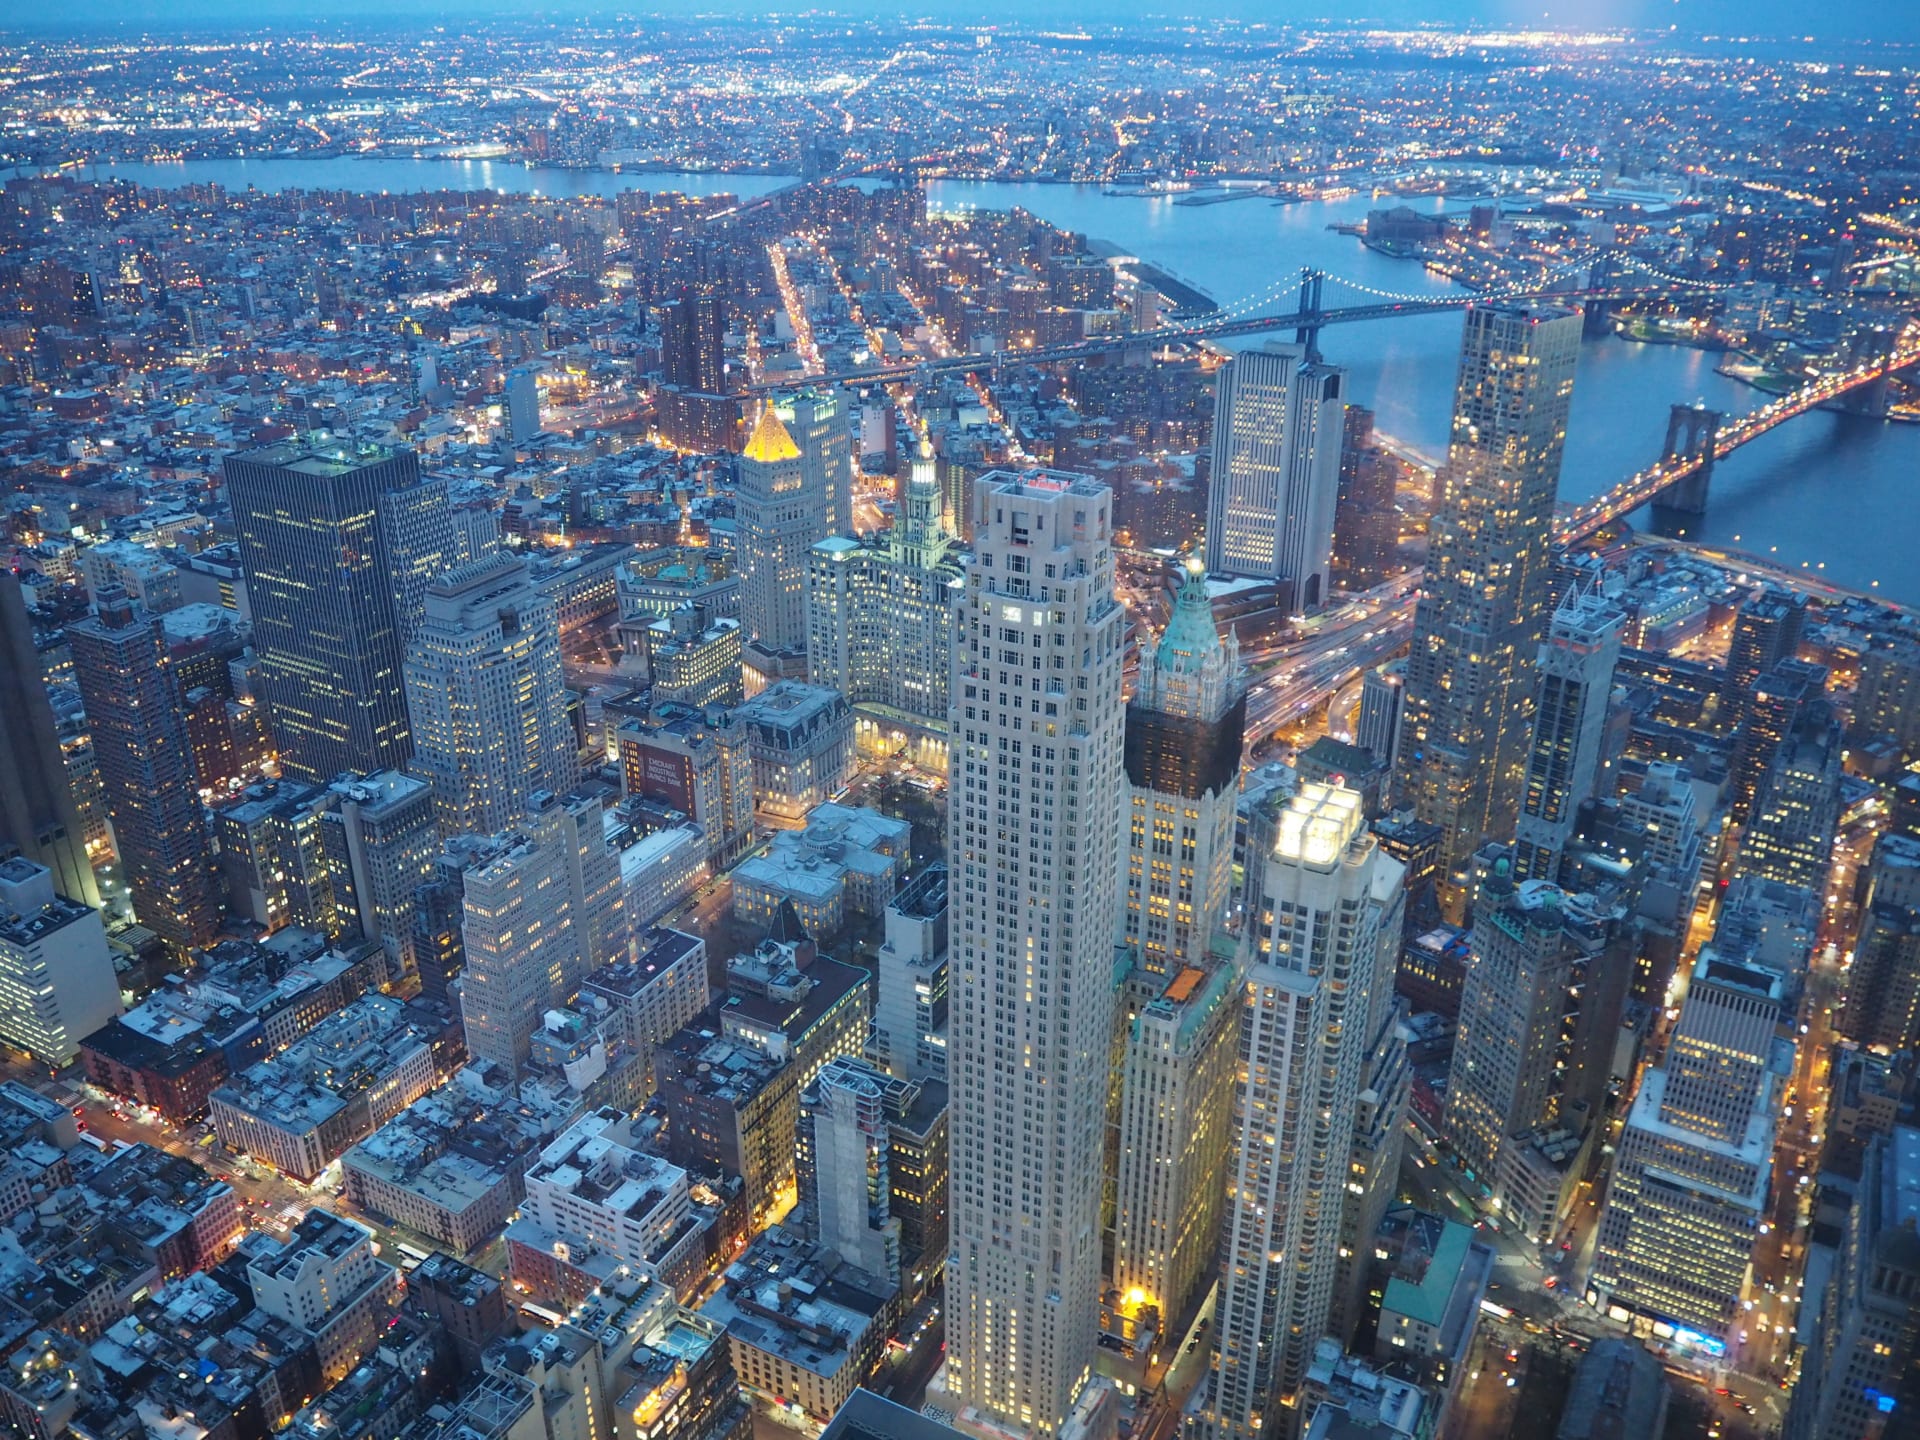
(1833, 493)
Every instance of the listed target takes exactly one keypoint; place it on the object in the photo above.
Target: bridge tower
(1598, 314)
(1692, 433)
(1310, 311)
(1871, 346)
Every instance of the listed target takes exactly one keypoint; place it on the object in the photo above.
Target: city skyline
(1011, 724)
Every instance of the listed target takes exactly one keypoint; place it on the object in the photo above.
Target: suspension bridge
(1676, 484)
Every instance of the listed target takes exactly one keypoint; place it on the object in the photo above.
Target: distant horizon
(1712, 20)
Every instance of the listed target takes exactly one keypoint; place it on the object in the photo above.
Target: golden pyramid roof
(770, 441)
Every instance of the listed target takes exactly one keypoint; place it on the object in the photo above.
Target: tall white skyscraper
(1314, 943)
(778, 515)
(487, 697)
(1034, 843)
(1570, 710)
(1184, 730)
(1277, 423)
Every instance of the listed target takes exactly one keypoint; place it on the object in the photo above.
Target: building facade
(339, 544)
(777, 520)
(1184, 731)
(146, 766)
(880, 625)
(1034, 843)
(486, 697)
(1313, 945)
(1692, 1171)
(1483, 608)
(1275, 484)
(1575, 672)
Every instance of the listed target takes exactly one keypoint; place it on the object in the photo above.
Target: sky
(1897, 20)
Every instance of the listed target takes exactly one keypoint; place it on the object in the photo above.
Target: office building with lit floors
(1539, 1011)
(778, 517)
(57, 984)
(1575, 672)
(140, 742)
(339, 542)
(817, 421)
(1883, 990)
(1313, 945)
(542, 907)
(880, 625)
(1860, 1376)
(1691, 1170)
(1275, 485)
(1175, 1128)
(1184, 730)
(486, 696)
(1796, 814)
(1488, 591)
(1035, 840)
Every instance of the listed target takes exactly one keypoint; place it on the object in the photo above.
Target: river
(1833, 493)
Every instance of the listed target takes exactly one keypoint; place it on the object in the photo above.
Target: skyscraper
(1535, 1035)
(1796, 813)
(542, 908)
(880, 624)
(1313, 939)
(146, 766)
(1883, 991)
(1383, 710)
(1766, 630)
(1691, 1171)
(1576, 681)
(38, 816)
(1184, 731)
(696, 412)
(57, 984)
(842, 1167)
(817, 421)
(523, 403)
(1275, 480)
(381, 842)
(1176, 1104)
(487, 698)
(1483, 609)
(339, 543)
(1861, 1371)
(1366, 526)
(1034, 840)
(777, 519)
(693, 335)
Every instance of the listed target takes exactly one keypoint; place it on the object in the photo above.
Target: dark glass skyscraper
(38, 816)
(1488, 592)
(339, 543)
(146, 766)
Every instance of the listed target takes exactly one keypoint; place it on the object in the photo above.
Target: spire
(770, 443)
(918, 536)
(1190, 670)
(1190, 639)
